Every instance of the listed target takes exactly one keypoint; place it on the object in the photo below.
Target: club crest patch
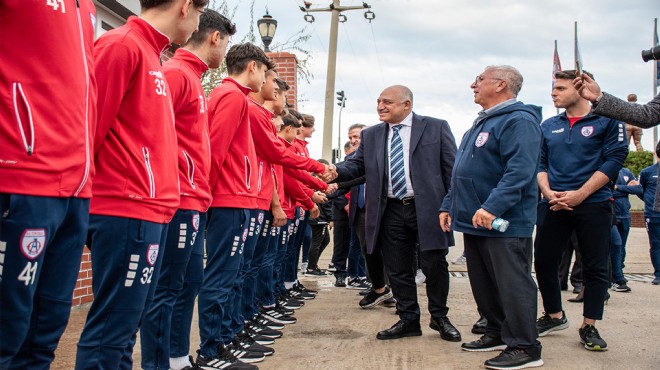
(481, 139)
(152, 254)
(586, 131)
(195, 222)
(260, 218)
(626, 178)
(33, 242)
(245, 234)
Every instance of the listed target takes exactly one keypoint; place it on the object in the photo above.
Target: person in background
(648, 180)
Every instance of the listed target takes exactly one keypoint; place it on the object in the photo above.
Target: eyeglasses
(478, 80)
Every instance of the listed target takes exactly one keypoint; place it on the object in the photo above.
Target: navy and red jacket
(571, 155)
(234, 173)
(135, 143)
(47, 97)
(270, 150)
(183, 73)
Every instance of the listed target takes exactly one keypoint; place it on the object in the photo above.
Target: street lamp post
(267, 27)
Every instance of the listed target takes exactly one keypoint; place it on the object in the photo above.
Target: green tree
(294, 44)
(637, 161)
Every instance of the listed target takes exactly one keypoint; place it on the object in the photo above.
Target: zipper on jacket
(150, 173)
(191, 170)
(247, 172)
(261, 172)
(87, 146)
(17, 89)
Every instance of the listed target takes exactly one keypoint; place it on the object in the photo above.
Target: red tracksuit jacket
(135, 143)
(234, 170)
(47, 97)
(183, 73)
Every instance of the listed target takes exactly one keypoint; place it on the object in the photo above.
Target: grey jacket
(641, 115)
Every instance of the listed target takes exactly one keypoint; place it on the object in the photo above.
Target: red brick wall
(287, 67)
(83, 292)
(637, 219)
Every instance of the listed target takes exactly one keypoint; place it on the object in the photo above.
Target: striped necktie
(397, 167)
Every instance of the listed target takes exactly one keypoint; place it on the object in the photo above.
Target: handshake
(330, 173)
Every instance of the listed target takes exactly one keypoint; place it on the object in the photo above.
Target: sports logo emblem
(245, 234)
(481, 139)
(626, 178)
(195, 221)
(260, 218)
(152, 254)
(586, 131)
(33, 242)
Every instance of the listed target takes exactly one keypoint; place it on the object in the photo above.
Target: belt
(405, 201)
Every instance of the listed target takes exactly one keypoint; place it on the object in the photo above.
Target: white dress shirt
(404, 133)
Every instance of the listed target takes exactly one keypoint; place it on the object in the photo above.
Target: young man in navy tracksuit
(165, 332)
(46, 134)
(136, 185)
(625, 184)
(232, 216)
(648, 180)
(580, 155)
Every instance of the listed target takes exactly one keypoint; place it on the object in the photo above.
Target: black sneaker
(390, 302)
(261, 320)
(265, 331)
(225, 360)
(283, 310)
(621, 287)
(249, 344)
(484, 344)
(340, 282)
(261, 339)
(365, 292)
(357, 284)
(514, 358)
(297, 294)
(332, 268)
(301, 288)
(591, 339)
(246, 356)
(290, 303)
(373, 298)
(315, 272)
(546, 324)
(272, 315)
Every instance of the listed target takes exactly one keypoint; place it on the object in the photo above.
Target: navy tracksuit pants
(41, 242)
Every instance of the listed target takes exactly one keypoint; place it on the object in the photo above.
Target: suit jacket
(641, 115)
(432, 153)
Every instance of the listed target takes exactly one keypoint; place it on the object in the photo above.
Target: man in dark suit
(407, 160)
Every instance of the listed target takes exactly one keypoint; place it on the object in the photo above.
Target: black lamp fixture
(267, 26)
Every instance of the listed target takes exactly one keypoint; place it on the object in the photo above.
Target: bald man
(406, 183)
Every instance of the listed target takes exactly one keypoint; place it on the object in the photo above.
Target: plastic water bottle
(500, 224)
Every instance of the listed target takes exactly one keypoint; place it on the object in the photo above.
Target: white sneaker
(459, 261)
(420, 278)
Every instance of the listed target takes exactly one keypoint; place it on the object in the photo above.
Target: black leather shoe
(446, 329)
(479, 327)
(484, 344)
(401, 329)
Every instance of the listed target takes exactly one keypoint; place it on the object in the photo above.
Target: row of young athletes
(122, 152)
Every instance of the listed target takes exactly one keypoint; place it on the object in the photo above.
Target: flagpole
(557, 60)
(655, 77)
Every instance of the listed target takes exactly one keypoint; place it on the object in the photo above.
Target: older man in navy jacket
(407, 160)
(495, 176)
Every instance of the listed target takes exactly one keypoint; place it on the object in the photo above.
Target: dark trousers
(565, 264)
(592, 223)
(320, 240)
(341, 235)
(502, 285)
(374, 261)
(41, 242)
(185, 233)
(126, 258)
(398, 241)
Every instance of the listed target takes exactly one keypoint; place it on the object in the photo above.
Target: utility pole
(335, 8)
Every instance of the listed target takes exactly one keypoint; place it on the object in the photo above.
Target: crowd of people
(185, 198)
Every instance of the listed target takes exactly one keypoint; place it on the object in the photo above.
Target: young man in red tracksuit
(165, 332)
(46, 133)
(234, 186)
(270, 150)
(136, 190)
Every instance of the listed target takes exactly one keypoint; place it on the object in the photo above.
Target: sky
(437, 48)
